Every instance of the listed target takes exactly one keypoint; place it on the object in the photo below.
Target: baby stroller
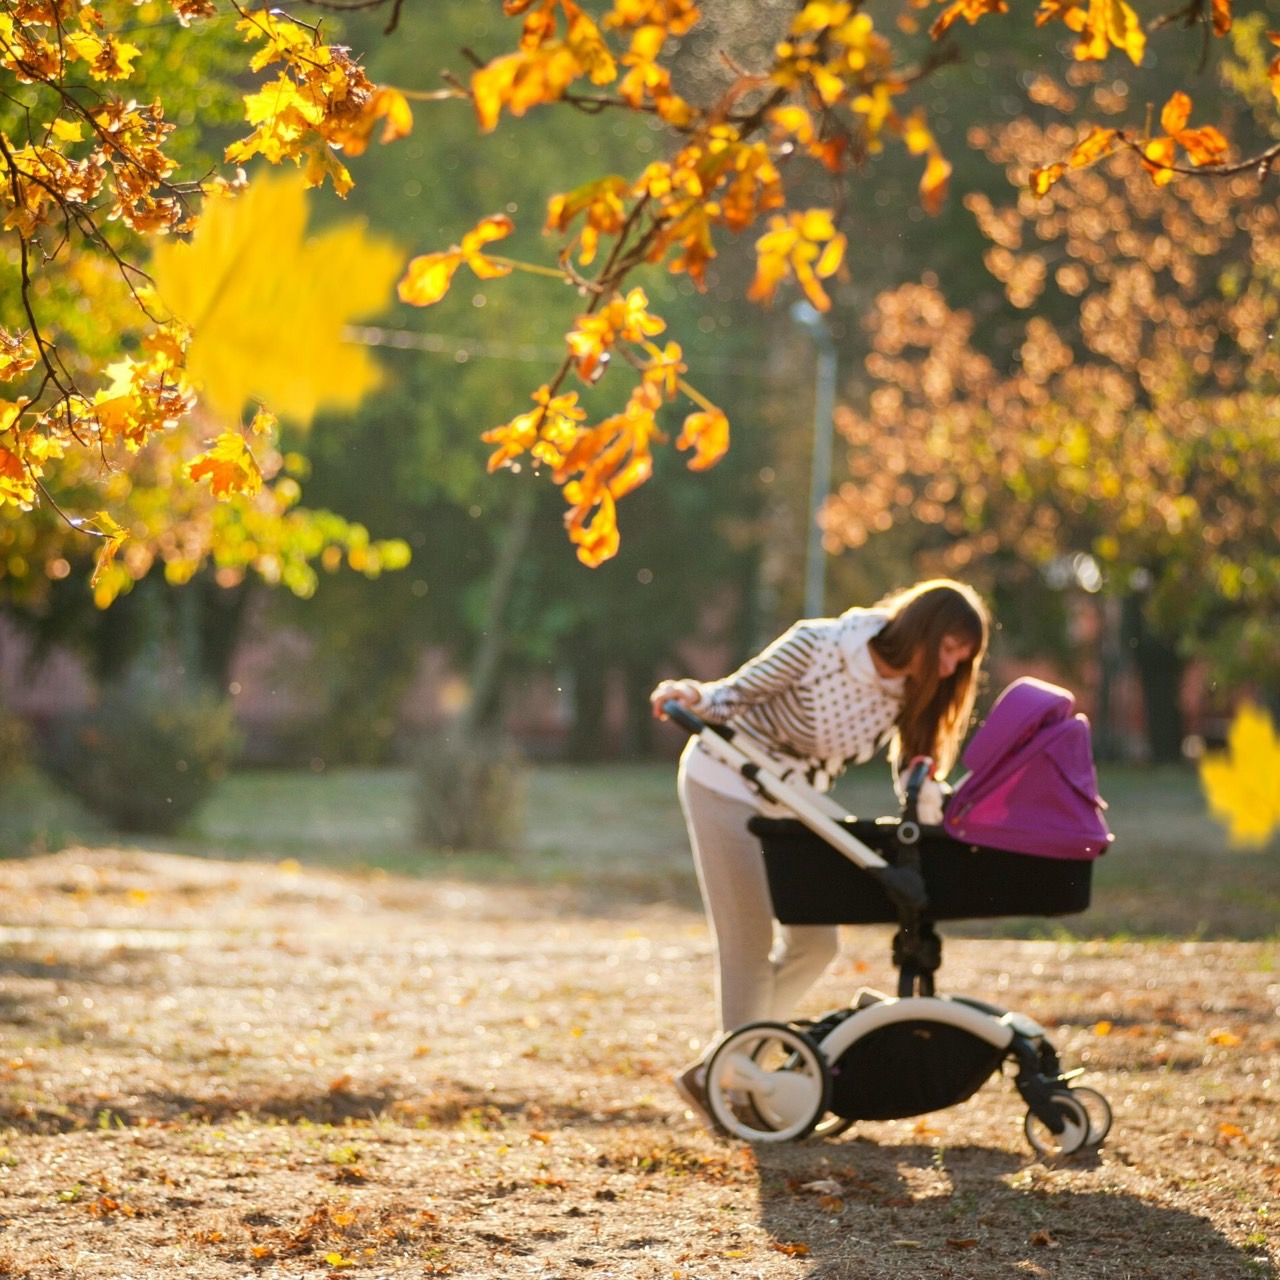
(1018, 838)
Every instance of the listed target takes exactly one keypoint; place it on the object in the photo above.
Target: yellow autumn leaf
(1126, 31)
(229, 466)
(1159, 156)
(428, 276)
(917, 135)
(1242, 785)
(113, 538)
(268, 305)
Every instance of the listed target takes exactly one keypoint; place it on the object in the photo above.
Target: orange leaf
(388, 105)
(597, 540)
(1204, 146)
(427, 278)
(707, 434)
(1176, 113)
(665, 367)
(1042, 179)
(523, 80)
(934, 183)
(970, 10)
(495, 227)
(229, 466)
(793, 1249)
(11, 466)
(1098, 143)
(1221, 17)
(632, 476)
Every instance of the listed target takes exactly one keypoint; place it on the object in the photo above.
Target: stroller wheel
(767, 1082)
(1099, 1112)
(1075, 1126)
(832, 1126)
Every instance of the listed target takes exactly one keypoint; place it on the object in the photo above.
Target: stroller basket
(812, 883)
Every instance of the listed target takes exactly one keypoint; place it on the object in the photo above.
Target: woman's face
(951, 653)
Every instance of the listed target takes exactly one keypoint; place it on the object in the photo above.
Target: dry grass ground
(242, 1065)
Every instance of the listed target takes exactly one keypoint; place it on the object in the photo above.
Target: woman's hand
(685, 692)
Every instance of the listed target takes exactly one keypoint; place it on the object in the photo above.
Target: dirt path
(224, 1070)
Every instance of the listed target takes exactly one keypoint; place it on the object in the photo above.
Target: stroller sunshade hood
(1032, 785)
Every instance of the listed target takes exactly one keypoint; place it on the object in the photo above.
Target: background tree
(101, 434)
(752, 128)
(817, 81)
(1132, 418)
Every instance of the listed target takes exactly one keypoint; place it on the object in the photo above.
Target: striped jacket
(814, 693)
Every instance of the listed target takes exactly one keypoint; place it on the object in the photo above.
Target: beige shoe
(691, 1085)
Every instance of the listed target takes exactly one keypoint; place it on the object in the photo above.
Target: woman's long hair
(935, 712)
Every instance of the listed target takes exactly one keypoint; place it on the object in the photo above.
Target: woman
(829, 692)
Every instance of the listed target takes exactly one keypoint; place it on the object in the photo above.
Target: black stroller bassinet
(888, 1057)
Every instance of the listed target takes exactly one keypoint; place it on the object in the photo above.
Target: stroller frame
(881, 1057)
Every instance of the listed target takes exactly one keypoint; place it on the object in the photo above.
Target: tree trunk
(1160, 671)
(588, 734)
(486, 666)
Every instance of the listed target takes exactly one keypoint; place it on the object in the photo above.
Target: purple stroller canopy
(1031, 787)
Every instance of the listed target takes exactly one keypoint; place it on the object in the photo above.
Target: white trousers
(763, 969)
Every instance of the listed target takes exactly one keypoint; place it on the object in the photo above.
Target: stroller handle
(685, 718)
(903, 884)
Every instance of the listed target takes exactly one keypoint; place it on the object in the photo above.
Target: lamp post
(809, 318)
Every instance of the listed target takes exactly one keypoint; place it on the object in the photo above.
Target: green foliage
(148, 754)
(470, 793)
(409, 463)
